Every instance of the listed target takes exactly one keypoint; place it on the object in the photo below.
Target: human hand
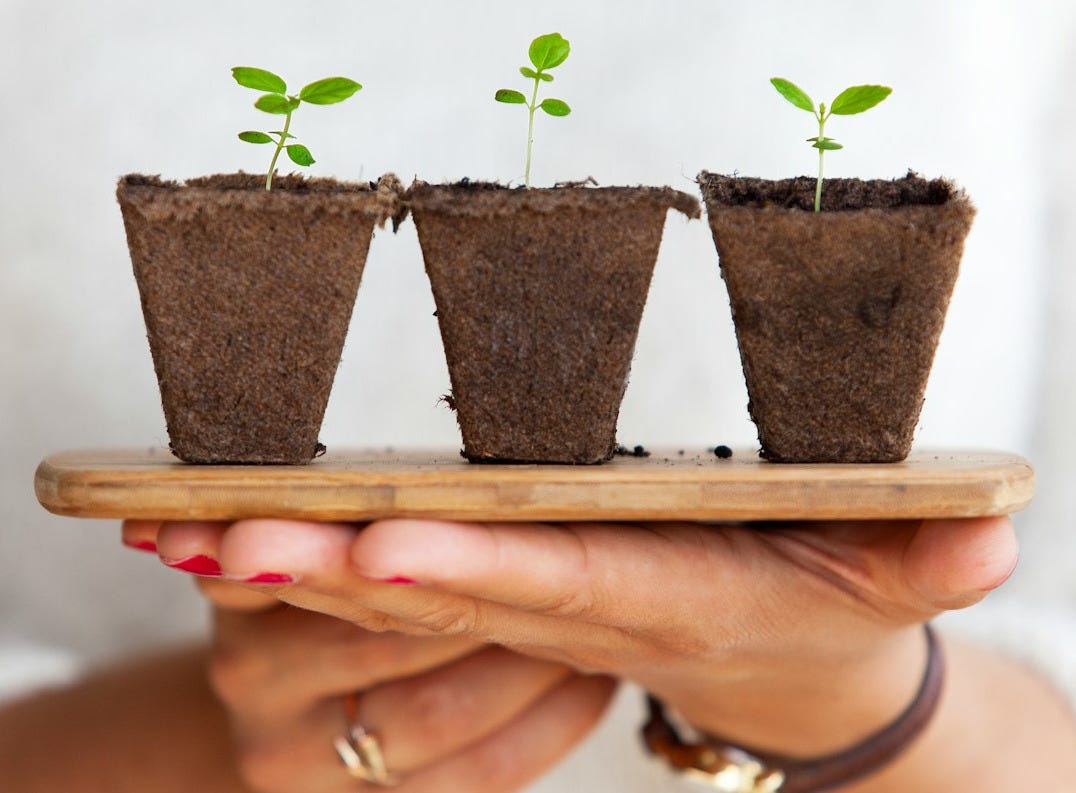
(449, 713)
(767, 635)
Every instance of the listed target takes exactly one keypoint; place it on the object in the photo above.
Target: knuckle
(571, 603)
(453, 619)
(680, 644)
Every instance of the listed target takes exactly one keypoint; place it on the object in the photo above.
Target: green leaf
(329, 91)
(859, 98)
(300, 155)
(549, 51)
(259, 80)
(255, 137)
(276, 104)
(530, 74)
(793, 93)
(826, 144)
(555, 107)
(282, 132)
(510, 97)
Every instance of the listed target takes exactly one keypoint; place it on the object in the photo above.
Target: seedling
(546, 52)
(850, 101)
(278, 102)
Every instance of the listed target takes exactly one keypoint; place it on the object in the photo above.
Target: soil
(247, 296)
(539, 295)
(837, 314)
(723, 452)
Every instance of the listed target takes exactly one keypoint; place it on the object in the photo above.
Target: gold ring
(360, 751)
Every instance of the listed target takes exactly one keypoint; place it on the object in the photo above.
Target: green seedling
(278, 102)
(546, 52)
(850, 101)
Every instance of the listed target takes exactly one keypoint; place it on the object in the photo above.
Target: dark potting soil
(837, 313)
(539, 294)
(722, 452)
(635, 451)
(247, 297)
(838, 195)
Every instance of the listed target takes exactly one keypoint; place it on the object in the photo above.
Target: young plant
(546, 52)
(278, 102)
(850, 101)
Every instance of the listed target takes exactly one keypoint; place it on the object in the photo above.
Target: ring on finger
(360, 750)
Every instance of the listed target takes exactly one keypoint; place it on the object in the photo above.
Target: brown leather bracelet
(730, 769)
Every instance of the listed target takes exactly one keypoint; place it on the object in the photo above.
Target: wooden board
(695, 485)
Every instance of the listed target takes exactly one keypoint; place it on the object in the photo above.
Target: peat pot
(837, 313)
(539, 295)
(247, 296)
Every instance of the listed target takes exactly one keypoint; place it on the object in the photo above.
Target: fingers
(956, 563)
(618, 575)
(141, 535)
(423, 719)
(232, 597)
(524, 749)
(299, 758)
(271, 667)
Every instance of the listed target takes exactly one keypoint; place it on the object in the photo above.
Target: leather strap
(743, 770)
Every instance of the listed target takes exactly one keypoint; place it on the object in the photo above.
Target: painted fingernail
(269, 578)
(199, 565)
(149, 546)
(399, 580)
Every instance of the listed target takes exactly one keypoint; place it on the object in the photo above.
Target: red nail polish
(149, 546)
(199, 565)
(269, 578)
(400, 580)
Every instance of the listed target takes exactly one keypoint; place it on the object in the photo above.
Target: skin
(451, 714)
(797, 639)
(745, 630)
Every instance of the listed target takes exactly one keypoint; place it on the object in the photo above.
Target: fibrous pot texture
(837, 313)
(539, 295)
(247, 295)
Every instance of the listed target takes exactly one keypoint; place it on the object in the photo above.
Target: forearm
(152, 725)
(998, 727)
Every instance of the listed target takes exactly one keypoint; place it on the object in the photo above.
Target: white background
(659, 90)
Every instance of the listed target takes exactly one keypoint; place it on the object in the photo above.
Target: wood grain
(695, 485)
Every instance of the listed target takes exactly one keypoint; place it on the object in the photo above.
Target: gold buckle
(733, 771)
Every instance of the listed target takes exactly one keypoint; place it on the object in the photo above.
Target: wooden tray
(668, 485)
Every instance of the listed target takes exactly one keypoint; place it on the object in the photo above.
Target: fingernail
(149, 546)
(399, 580)
(269, 578)
(199, 565)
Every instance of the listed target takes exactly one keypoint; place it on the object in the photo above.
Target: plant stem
(821, 153)
(279, 148)
(530, 132)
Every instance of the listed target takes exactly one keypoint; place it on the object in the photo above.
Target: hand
(766, 635)
(450, 713)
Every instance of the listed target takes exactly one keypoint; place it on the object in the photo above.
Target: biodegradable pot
(837, 313)
(539, 295)
(247, 296)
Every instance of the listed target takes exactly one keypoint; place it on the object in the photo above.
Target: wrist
(799, 709)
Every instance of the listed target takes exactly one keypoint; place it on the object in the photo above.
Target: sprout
(277, 102)
(850, 101)
(546, 52)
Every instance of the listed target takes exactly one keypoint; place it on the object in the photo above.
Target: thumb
(953, 564)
